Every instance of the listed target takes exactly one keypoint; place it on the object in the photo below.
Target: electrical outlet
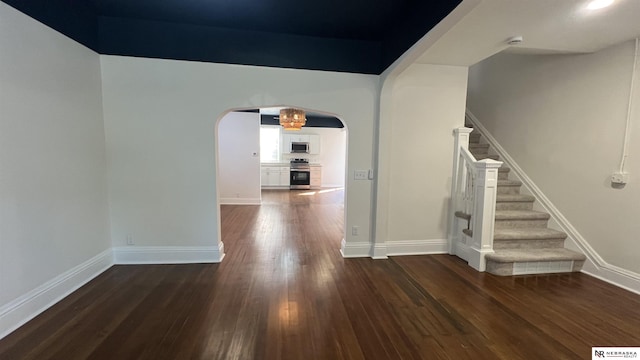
(354, 230)
(129, 240)
(360, 174)
(620, 178)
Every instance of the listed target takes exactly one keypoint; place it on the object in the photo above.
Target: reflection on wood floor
(284, 292)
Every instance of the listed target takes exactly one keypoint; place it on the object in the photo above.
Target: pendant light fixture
(292, 119)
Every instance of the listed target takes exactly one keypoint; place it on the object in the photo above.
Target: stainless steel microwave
(300, 147)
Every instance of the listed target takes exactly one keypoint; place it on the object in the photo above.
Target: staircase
(522, 242)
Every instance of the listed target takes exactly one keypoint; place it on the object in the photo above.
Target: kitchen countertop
(275, 164)
(285, 164)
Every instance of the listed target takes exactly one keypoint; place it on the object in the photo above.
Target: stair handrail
(474, 191)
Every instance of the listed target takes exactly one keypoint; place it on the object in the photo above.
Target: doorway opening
(256, 165)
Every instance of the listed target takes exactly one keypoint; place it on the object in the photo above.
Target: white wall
(425, 103)
(160, 117)
(562, 118)
(239, 158)
(333, 146)
(53, 207)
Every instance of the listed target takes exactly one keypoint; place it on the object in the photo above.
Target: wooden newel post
(461, 139)
(484, 210)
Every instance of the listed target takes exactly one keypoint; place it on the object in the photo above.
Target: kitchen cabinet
(289, 138)
(316, 177)
(269, 177)
(274, 176)
(284, 177)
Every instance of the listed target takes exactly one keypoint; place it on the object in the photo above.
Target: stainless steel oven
(300, 174)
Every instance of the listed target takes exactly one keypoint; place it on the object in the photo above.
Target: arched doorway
(241, 163)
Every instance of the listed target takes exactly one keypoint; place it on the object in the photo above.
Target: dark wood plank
(284, 292)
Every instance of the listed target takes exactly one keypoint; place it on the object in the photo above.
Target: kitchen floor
(296, 197)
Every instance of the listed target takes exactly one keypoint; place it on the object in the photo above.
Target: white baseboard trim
(595, 265)
(168, 254)
(17, 312)
(417, 247)
(394, 248)
(379, 251)
(240, 201)
(355, 249)
(614, 275)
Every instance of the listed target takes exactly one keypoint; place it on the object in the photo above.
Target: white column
(461, 139)
(484, 211)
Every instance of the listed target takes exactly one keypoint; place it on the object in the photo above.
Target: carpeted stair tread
(503, 173)
(514, 198)
(486, 156)
(521, 215)
(478, 147)
(532, 255)
(528, 234)
(523, 234)
(509, 182)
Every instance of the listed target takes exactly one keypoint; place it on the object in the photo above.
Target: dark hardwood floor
(284, 292)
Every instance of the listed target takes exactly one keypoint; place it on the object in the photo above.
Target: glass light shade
(292, 119)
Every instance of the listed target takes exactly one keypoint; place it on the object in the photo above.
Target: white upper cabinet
(297, 138)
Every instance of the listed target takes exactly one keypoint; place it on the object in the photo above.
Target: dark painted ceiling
(360, 36)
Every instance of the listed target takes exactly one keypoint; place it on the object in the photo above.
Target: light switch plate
(360, 174)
